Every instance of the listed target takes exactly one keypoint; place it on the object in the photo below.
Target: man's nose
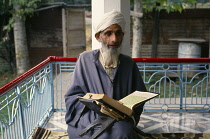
(114, 37)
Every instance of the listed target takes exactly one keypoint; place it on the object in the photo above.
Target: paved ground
(158, 122)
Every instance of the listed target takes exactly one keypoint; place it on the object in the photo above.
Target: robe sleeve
(74, 107)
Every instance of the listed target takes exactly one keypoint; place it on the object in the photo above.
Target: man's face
(112, 36)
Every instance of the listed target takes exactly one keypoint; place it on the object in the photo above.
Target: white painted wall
(99, 7)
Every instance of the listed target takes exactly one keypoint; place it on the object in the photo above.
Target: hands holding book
(101, 103)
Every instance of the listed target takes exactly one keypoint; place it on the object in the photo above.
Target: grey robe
(89, 76)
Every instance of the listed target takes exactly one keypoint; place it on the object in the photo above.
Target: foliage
(168, 5)
(27, 8)
(3, 7)
(7, 52)
(75, 1)
(16, 9)
(6, 77)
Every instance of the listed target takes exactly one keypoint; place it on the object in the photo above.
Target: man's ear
(97, 35)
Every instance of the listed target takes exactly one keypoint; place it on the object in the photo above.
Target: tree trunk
(137, 31)
(155, 34)
(21, 48)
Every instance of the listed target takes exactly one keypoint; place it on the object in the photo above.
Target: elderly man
(103, 71)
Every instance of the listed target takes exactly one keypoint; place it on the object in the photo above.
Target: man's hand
(120, 102)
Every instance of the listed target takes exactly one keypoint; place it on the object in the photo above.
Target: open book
(125, 105)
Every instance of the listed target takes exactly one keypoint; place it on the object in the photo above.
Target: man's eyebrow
(107, 31)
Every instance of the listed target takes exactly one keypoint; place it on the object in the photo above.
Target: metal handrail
(73, 59)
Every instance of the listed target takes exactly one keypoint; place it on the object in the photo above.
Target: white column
(64, 33)
(99, 7)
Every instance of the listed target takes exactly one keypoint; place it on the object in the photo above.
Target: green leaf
(168, 5)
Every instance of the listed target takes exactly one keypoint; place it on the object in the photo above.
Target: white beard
(110, 56)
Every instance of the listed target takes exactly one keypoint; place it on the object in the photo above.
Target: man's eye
(108, 33)
(119, 33)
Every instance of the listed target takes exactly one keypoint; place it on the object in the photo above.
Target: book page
(131, 100)
(136, 98)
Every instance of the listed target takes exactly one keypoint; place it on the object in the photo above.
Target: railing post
(181, 87)
(23, 132)
(51, 85)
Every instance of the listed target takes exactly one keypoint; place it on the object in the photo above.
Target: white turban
(108, 19)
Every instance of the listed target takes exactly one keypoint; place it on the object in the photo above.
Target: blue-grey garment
(89, 76)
